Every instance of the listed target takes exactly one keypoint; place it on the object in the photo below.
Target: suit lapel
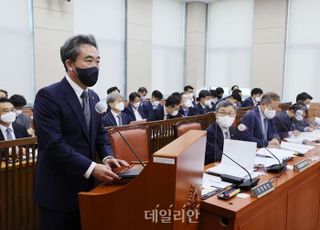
(257, 111)
(73, 101)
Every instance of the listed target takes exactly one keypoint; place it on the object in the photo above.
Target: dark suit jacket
(158, 115)
(106, 121)
(301, 125)
(148, 107)
(202, 110)
(284, 124)
(19, 131)
(248, 102)
(252, 121)
(215, 139)
(129, 111)
(189, 112)
(66, 147)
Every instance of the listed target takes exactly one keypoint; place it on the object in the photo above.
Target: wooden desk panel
(294, 204)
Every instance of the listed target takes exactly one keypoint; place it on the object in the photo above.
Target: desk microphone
(241, 183)
(276, 168)
(101, 108)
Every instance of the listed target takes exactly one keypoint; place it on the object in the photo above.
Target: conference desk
(293, 205)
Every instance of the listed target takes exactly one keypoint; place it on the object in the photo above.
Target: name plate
(262, 189)
(301, 165)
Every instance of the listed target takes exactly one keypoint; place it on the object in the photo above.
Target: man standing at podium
(69, 134)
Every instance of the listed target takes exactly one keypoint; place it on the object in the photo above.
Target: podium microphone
(276, 168)
(241, 183)
(101, 108)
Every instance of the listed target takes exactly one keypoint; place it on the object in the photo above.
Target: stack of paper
(299, 148)
(304, 136)
(265, 161)
(280, 153)
(213, 181)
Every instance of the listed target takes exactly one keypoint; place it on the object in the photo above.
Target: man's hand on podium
(103, 172)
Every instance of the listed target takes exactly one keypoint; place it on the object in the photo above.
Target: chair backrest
(137, 138)
(182, 128)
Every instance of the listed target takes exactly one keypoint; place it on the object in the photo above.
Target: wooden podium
(166, 195)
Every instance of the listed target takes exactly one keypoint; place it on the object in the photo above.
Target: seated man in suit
(235, 98)
(260, 124)
(284, 120)
(168, 111)
(135, 109)
(24, 119)
(219, 130)
(115, 116)
(255, 98)
(304, 124)
(187, 108)
(304, 98)
(153, 103)
(10, 130)
(142, 91)
(204, 106)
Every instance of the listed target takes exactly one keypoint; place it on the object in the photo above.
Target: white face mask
(257, 99)
(18, 112)
(136, 105)
(155, 103)
(299, 115)
(174, 113)
(208, 103)
(269, 113)
(188, 103)
(225, 121)
(120, 106)
(214, 100)
(308, 106)
(9, 117)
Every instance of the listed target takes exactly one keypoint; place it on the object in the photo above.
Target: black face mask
(88, 76)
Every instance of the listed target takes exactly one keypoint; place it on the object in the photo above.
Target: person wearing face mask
(304, 98)
(153, 103)
(304, 124)
(187, 109)
(189, 90)
(255, 98)
(24, 119)
(220, 130)
(10, 130)
(135, 109)
(204, 105)
(168, 111)
(285, 120)
(115, 114)
(260, 123)
(70, 134)
(214, 99)
(142, 91)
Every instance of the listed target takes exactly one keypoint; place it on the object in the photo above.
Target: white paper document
(304, 136)
(214, 181)
(243, 152)
(299, 148)
(280, 153)
(265, 161)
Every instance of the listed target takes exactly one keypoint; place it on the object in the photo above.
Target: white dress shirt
(4, 132)
(115, 115)
(136, 113)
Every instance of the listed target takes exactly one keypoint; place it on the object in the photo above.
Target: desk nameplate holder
(262, 189)
(301, 165)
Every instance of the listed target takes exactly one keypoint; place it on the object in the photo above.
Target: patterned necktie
(226, 135)
(9, 134)
(119, 119)
(86, 107)
(265, 133)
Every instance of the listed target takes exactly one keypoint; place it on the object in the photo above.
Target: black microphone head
(101, 107)
(242, 127)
